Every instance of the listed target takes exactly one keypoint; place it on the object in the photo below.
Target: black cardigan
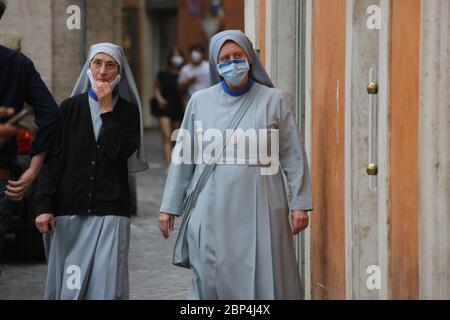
(88, 177)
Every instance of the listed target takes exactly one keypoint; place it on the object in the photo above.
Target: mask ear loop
(115, 82)
(91, 79)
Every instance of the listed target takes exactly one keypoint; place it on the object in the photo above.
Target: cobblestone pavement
(152, 276)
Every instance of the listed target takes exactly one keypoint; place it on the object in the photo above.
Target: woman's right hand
(166, 223)
(46, 223)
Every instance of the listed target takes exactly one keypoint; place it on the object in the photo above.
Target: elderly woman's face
(104, 68)
(231, 51)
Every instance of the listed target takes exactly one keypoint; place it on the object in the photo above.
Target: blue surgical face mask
(234, 71)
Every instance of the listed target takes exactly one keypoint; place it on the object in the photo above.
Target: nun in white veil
(126, 89)
(82, 198)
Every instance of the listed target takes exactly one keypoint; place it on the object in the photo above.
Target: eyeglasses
(109, 66)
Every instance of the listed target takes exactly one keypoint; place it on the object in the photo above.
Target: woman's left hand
(300, 221)
(104, 95)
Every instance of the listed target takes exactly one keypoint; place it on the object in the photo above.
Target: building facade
(368, 79)
(146, 29)
(58, 51)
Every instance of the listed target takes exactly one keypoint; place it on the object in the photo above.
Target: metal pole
(83, 35)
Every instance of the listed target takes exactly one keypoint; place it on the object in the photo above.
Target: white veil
(127, 90)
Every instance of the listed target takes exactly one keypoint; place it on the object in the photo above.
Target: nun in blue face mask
(82, 198)
(236, 234)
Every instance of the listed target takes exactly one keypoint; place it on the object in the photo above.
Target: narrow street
(349, 97)
(152, 276)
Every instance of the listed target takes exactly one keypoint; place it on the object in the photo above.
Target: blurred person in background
(168, 104)
(194, 76)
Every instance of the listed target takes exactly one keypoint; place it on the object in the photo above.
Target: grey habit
(88, 256)
(239, 235)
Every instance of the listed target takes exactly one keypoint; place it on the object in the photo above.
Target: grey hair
(3, 4)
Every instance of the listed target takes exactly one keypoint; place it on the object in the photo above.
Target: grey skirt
(88, 258)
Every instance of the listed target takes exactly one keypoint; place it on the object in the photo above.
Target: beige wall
(66, 66)
(413, 216)
(434, 153)
(33, 20)
(362, 210)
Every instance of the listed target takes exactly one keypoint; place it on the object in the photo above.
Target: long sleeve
(293, 159)
(48, 179)
(80, 178)
(46, 112)
(120, 137)
(180, 172)
(47, 186)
